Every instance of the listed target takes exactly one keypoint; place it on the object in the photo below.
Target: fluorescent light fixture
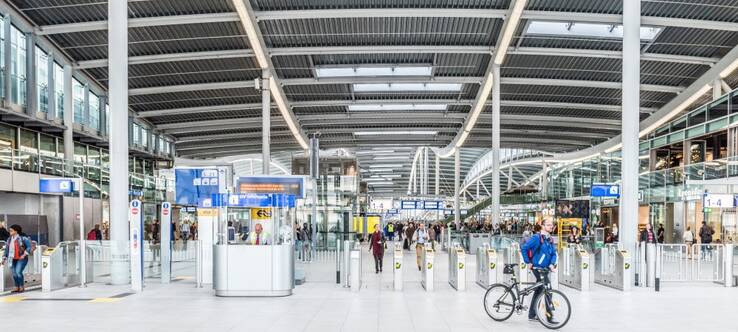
(374, 152)
(285, 111)
(511, 24)
(381, 170)
(394, 133)
(372, 71)
(595, 30)
(385, 176)
(384, 87)
(385, 165)
(461, 140)
(397, 107)
(384, 183)
(248, 23)
(392, 158)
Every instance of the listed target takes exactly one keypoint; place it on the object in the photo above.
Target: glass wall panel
(17, 66)
(42, 80)
(78, 98)
(94, 111)
(47, 146)
(28, 141)
(59, 90)
(7, 136)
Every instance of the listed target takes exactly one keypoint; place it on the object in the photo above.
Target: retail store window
(42, 80)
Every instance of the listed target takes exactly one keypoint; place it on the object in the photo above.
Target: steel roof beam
(170, 57)
(256, 119)
(190, 87)
(138, 22)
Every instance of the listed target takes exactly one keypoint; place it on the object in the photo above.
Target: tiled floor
(324, 306)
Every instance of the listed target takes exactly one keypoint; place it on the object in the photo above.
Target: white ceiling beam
(170, 57)
(190, 87)
(138, 22)
(199, 109)
(399, 49)
(205, 123)
(477, 80)
(378, 12)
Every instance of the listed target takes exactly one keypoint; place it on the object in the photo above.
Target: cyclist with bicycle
(539, 252)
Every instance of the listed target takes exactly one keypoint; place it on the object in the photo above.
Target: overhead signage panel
(287, 185)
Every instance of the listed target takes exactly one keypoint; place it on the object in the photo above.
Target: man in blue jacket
(539, 252)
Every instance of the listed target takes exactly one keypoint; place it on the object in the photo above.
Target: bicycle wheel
(553, 309)
(499, 302)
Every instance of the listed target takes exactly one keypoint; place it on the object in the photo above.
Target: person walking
(376, 247)
(540, 252)
(660, 233)
(409, 231)
(17, 250)
(420, 238)
(647, 235)
(688, 238)
(574, 237)
(391, 231)
(705, 240)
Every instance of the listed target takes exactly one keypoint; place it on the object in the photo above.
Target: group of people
(412, 234)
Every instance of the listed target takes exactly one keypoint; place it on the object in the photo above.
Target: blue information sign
(287, 185)
(605, 190)
(51, 185)
(408, 205)
(197, 185)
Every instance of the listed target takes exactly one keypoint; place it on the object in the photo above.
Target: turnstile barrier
(575, 268)
(397, 266)
(613, 267)
(427, 258)
(489, 266)
(457, 267)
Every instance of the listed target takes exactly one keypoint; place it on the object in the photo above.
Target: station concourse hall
(369, 165)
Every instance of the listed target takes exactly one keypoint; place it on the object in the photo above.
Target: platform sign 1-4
(605, 190)
(135, 218)
(719, 201)
(56, 185)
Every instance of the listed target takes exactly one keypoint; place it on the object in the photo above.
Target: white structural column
(118, 94)
(438, 175)
(69, 120)
(717, 88)
(457, 187)
(630, 122)
(266, 118)
(543, 182)
(495, 144)
(425, 171)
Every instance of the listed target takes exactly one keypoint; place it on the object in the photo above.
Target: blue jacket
(539, 251)
(25, 241)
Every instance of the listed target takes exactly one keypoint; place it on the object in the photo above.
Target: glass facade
(42, 80)
(59, 90)
(94, 105)
(78, 100)
(17, 66)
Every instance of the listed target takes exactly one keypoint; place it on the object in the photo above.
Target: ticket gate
(31, 275)
(355, 270)
(574, 267)
(427, 259)
(489, 266)
(613, 268)
(397, 263)
(457, 268)
(61, 266)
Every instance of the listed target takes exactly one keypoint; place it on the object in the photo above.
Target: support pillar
(543, 181)
(425, 171)
(509, 178)
(51, 88)
(495, 144)
(118, 94)
(717, 88)
(266, 120)
(68, 117)
(438, 176)
(31, 87)
(630, 122)
(457, 180)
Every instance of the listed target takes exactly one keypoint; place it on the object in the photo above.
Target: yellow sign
(261, 213)
(207, 212)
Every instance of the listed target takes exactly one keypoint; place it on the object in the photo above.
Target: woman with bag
(18, 248)
(376, 247)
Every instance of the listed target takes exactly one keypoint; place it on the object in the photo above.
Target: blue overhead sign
(194, 186)
(408, 205)
(605, 190)
(51, 185)
(432, 205)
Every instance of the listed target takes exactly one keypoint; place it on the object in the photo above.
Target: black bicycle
(553, 309)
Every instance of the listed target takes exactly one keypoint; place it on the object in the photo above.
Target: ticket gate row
(684, 263)
(491, 261)
(61, 267)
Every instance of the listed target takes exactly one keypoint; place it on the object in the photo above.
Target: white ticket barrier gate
(613, 268)
(397, 262)
(427, 258)
(489, 266)
(60, 266)
(355, 271)
(730, 279)
(574, 267)
(457, 268)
